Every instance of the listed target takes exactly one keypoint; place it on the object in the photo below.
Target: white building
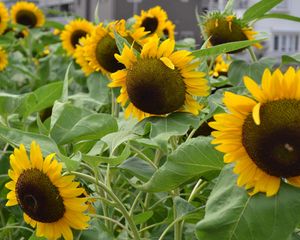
(283, 35)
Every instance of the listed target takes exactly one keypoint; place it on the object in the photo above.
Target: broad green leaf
(225, 47)
(239, 68)
(115, 139)
(113, 160)
(281, 16)
(120, 41)
(9, 103)
(91, 127)
(186, 211)
(97, 85)
(64, 117)
(142, 217)
(162, 128)
(194, 158)
(259, 9)
(293, 59)
(138, 168)
(16, 137)
(41, 98)
(232, 214)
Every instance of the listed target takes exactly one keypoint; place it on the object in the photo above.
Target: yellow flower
(159, 81)
(99, 49)
(169, 29)
(220, 67)
(3, 59)
(80, 59)
(4, 17)
(27, 14)
(221, 29)
(152, 20)
(261, 134)
(49, 200)
(73, 32)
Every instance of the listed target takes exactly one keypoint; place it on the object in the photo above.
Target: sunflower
(80, 59)
(261, 134)
(169, 29)
(152, 20)
(4, 17)
(220, 67)
(72, 33)
(3, 59)
(159, 81)
(49, 200)
(27, 14)
(220, 29)
(101, 46)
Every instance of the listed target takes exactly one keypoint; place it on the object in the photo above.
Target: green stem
(111, 220)
(136, 200)
(252, 54)
(16, 227)
(119, 204)
(141, 154)
(177, 224)
(191, 134)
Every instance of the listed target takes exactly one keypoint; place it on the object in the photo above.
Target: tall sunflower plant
(121, 130)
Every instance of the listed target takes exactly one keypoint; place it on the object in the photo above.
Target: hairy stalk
(118, 202)
(252, 54)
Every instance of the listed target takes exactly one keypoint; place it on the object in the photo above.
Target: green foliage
(231, 213)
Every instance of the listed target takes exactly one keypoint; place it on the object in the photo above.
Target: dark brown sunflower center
(26, 18)
(150, 24)
(38, 197)
(221, 32)
(76, 35)
(274, 145)
(166, 32)
(154, 88)
(105, 51)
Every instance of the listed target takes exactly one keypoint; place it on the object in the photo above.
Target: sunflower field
(119, 130)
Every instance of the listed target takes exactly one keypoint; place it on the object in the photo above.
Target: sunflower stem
(177, 224)
(141, 154)
(252, 54)
(118, 202)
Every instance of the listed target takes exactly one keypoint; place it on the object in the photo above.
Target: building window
(286, 42)
(276, 42)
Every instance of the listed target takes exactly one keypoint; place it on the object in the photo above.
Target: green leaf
(225, 47)
(9, 103)
(53, 24)
(281, 16)
(91, 127)
(232, 214)
(64, 95)
(64, 117)
(293, 59)
(162, 128)
(259, 9)
(15, 137)
(41, 98)
(186, 211)
(194, 158)
(95, 161)
(239, 68)
(138, 168)
(120, 41)
(229, 7)
(142, 217)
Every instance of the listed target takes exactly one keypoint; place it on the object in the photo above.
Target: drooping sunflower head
(220, 28)
(159, 81)
(50, 201)
(261, 134)
(152, 20)
(27, 14)
(80, 58)
(3, 59)
(4, 17)
(220, 67)
(73, 32)
(169, 30)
